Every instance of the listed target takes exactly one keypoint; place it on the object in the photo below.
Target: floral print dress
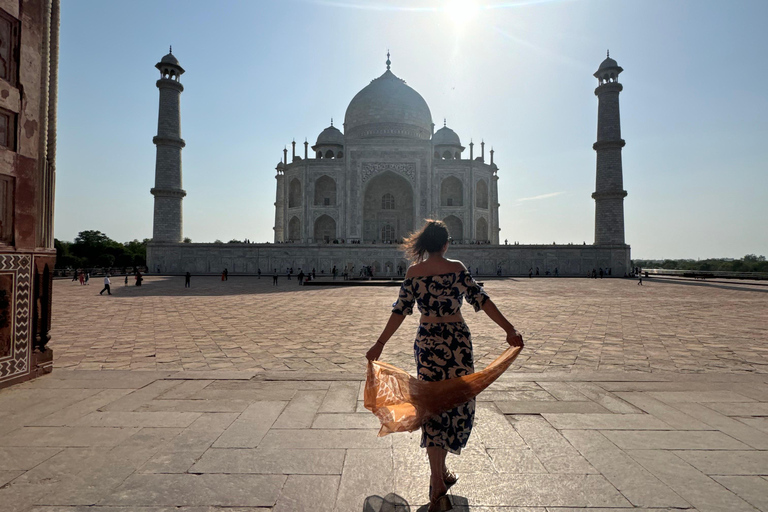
(443, 350)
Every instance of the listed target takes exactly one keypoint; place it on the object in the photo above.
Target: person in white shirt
(106, 285)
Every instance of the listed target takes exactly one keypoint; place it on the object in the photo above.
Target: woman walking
(443, 346)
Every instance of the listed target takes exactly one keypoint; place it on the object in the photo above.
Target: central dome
(388, 108)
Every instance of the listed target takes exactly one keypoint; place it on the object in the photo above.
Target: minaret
(609, 189)
(167, 191)
(280, 203)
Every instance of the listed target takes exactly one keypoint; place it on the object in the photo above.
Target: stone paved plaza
(247, 324)
(237, 396)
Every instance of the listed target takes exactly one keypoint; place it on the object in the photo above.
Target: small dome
(387, 107)
(330, 136)
(608, 71)
(608, 63)
(446, 137)
(170, 59)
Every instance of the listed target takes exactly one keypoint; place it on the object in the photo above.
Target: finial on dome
(607, 54)
(170, 50)
(388, 61)
(444, 123)
(331, 121)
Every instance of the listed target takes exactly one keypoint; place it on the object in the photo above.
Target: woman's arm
(513, 337)
(393, 324)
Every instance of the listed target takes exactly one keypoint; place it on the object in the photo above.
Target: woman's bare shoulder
(457, 265)
(413, 270)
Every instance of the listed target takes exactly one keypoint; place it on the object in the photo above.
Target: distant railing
(706, 274)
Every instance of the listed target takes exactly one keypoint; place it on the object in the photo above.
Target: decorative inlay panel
(15, 346)
(406, 170)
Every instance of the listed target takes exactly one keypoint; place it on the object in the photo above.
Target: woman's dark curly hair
(429, 239)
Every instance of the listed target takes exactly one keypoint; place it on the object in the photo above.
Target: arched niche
(325, 228)
(455, 227)
(481, 194)
(451, 192)
(294, 193)
(481, 230)
(294, 229)
(376, 206)
(325, 191)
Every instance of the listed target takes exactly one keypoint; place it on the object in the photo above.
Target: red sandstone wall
(26, 196)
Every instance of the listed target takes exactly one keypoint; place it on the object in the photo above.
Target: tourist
(187, 278)
(87, 278)
(537, 270)
(640, 281)
(139, 278)
(81, 278)
(530, 273)
(601, 272)
(106, 285)
(443, 345)
(301, 277)
(274, 278)
(259, 272)
(126, 279)
(74, 277)
(557, 274)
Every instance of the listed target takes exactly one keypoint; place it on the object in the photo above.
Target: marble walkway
(628, 399)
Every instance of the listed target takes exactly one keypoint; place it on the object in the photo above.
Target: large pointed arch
(325, 229)
(325, 191)
(481, 230)
(451, 192)
(379, 209)
(294, 193)
(294, 229)
(481, 194)
(455, 227)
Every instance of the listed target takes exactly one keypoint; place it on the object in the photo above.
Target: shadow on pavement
(707, 285)
(394, 503)
(204, 286)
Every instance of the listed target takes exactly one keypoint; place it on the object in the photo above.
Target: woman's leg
(437, 465)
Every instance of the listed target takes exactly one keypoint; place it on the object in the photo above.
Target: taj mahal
(354, 195)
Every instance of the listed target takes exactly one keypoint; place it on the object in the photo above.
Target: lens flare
(461, 11)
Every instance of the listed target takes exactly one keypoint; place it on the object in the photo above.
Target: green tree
(90, 245)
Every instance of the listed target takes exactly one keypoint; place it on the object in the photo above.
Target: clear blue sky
(516, 74)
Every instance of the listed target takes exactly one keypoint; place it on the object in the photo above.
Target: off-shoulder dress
(443, 350)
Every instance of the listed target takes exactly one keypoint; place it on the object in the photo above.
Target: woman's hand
(374, 352)
(514, 338)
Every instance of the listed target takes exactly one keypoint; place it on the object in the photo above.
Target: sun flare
(461, 11)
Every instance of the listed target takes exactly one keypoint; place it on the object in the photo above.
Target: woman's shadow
(394, 503)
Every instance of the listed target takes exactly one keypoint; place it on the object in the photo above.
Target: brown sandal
(441, 503)
(450, 479)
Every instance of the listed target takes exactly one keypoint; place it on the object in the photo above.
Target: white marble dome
(387, 107)
(330, 136)
(446, 137)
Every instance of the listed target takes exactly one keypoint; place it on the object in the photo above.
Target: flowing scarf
(403, 403)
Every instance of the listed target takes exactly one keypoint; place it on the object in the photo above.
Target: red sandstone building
(29, 37)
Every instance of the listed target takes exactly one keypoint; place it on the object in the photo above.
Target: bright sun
(461, 11)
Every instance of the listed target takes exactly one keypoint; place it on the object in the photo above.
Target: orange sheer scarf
(403, 403)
